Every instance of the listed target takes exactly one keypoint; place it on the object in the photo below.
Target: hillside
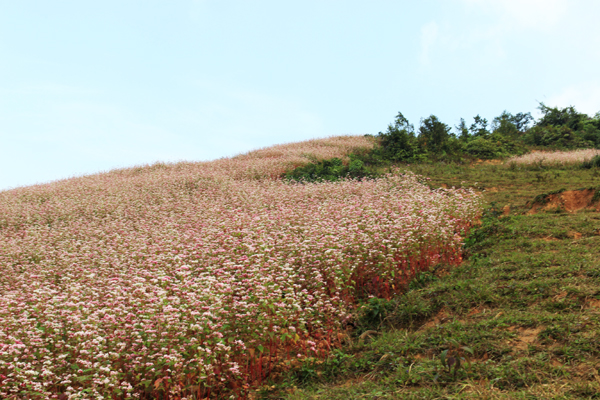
(274, 275)
(196, 280)
(522, 312)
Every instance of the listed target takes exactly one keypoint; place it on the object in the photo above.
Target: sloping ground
(526, 302)
(567, 200)
(192, 280)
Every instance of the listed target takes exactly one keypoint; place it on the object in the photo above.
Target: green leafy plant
(455, 357)
(373, 312)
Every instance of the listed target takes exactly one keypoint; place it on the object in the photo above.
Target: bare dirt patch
(574, 235)
(525, 337)
(441, 317)
(556, 363)
(568, 200)
(476, 311)
(593, 303)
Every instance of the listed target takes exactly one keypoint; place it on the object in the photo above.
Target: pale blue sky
(88, 86)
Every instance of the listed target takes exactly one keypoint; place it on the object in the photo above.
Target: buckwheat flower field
(555, 157)
(193, 280)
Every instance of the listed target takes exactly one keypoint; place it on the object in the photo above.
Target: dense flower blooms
(555, 157)
(198, 277)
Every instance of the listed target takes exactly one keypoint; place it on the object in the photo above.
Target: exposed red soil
(569, 200)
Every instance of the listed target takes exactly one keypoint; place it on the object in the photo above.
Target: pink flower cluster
(193, 280)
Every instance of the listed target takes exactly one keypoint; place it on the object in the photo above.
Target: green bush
(591, 132)
(593, 163)
(329, 170)
(483, 148)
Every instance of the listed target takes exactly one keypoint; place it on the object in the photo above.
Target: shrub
(483, 148)
(330, 170)
(324, 170)
(594, 162)
(591, 133)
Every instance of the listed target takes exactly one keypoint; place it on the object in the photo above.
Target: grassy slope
(526, 301)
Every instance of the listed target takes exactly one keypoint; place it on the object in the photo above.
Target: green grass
(526, 303)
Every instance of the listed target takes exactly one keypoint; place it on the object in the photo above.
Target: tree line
(508, 134)
(434, 141)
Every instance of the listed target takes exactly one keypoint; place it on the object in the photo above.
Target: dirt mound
(567, 200)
